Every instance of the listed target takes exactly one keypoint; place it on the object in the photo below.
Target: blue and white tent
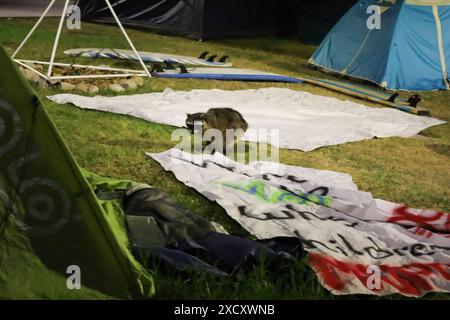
(410, 51)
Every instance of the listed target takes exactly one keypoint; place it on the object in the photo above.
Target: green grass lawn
(413, 171)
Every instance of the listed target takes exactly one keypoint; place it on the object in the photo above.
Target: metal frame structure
(49, 76)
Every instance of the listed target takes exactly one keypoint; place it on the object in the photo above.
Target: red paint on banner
(403, 214)
(412, 279)
(423, 232)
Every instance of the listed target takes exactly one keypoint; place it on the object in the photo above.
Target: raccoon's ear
(188, 114)
(202, 116)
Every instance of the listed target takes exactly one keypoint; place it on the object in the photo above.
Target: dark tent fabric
(314, 19)
(197, 19)
(213, 19)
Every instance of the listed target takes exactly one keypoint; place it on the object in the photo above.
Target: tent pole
(24, 65)
(99, 76)
(128, 39)
(58, 34)
(24, 41)
(81, 66)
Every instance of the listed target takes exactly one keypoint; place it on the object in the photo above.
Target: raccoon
(220, 119)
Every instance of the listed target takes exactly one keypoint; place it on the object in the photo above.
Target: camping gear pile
(50, 218)
(163, 234)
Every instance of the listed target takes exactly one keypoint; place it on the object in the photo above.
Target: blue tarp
(411, 50)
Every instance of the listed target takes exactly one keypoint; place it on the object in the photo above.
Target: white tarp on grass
(345, 231)
(305, 121)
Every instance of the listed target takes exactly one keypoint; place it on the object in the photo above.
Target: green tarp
(50, 218)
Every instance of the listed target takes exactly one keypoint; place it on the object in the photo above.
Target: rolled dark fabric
(155, 220)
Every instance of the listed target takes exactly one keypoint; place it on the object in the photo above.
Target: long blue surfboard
(231, 74)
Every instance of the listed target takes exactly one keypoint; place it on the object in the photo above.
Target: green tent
(50, 218)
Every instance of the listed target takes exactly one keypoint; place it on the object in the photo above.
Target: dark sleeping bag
(162, 232)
